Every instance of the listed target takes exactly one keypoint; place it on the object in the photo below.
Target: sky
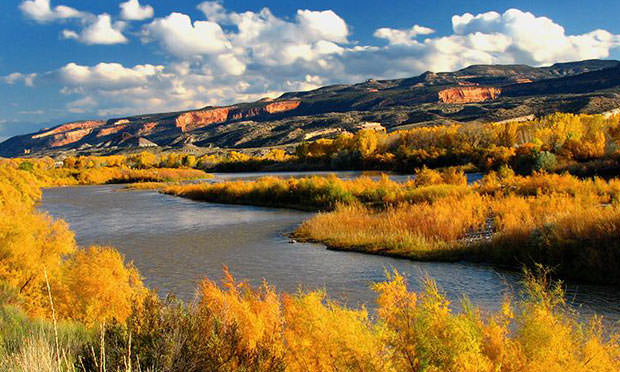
(65, 60)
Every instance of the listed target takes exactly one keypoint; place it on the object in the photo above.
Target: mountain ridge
(474, 93)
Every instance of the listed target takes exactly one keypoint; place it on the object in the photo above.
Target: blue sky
(65, 60)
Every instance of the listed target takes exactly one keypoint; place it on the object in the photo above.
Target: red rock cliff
(469, 94)
(111, 130)
(88, 124)
(198, 119)
(69, 137)
(281, 106)
(147, 128)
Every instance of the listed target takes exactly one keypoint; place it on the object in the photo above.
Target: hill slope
(481, 92)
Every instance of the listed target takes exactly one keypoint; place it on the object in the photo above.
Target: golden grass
(236, 327)
(147, 185)
(324, 193)
(418, 231)
(570, 224)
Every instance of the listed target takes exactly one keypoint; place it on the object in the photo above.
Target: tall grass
(110, 322)
(570, 224)
(29, 345)
(423, 231)
(324, 193)
(236, 327)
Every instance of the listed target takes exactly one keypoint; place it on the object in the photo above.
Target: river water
(176, 242)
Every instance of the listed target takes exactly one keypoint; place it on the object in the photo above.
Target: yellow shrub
(97, 286)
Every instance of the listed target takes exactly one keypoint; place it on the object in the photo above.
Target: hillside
(475, 93)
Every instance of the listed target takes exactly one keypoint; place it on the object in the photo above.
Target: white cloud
(228, 57)
(325, 25)
(70, 34)
(100, 31)
(252, 37)
(230, 64)
(133, 11)
(15, 77)
(404, 37)
(177, 34)
(108, 75)
(213, 10)
(41, 11)
(96, 29)
(536, 40)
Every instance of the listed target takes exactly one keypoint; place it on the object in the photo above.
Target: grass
(236, 327)
(28, 344)
(562, 221)
(577, 234)
(109, 322)
(147, 185)
(324, 193)
(127, 175)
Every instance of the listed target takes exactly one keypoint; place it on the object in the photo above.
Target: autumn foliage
(527, 145)
(234, 326)
(34, 246)
(557, 220)
(109, 321)
(324, 193)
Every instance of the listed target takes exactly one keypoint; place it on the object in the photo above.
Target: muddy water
(176, 242)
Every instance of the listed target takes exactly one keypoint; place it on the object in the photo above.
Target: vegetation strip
(559, 220)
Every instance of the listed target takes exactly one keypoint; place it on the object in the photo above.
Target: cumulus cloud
(26, 79)
(108, 75)
(404, 37)
(100, 31)
(536, 40)
(226, 57)
(252, 37)
(96, 29)
(325, 25)
(133, 11)
(178, 35)
(489, 38)
(41, 11)
(213, 10)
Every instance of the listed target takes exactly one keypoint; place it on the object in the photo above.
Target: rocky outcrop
(469, 94)
(197, 119)
(69, 137)
(88, 124)
(147, 128)
(269, 109)
(240, 114)
(111, 130)
(281, 106)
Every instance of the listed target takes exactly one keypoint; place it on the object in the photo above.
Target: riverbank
(326, 192)
(560, 221)
(92, 313)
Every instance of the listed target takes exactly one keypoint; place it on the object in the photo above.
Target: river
(176, 242)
